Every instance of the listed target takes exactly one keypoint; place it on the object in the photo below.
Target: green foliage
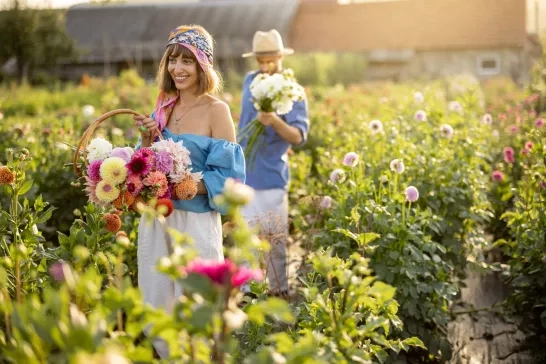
(35, 38)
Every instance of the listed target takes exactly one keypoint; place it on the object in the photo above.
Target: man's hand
(267, 118)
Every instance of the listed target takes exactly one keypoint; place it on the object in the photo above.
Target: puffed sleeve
(225, 159)
(298, 117)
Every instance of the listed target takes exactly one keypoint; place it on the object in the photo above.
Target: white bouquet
(270, 93)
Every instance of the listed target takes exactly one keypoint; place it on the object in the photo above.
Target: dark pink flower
(217, 272)
(509, 155)
(524, 151)
(514, 129)
(244, 274)
(138, 165)
(221, 273)
(147, 154)
(497, 176)
(539, 122)
(529, 145)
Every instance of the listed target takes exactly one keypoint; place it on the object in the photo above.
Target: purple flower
(57, 271)
(539, 122)
(412, 194)
(93, 170)
(337, 175)
(350, 159)
(164, 162)
(121, 153)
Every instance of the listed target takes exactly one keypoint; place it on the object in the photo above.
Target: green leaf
(382, 291)
(414, 341)
(25, 187)
(202, 317)
(198, 283)
(362, 239)
(274, 307)
(46, 215)
(379, 353)
(38, 204)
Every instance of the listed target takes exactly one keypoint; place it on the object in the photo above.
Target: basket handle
(84, 141)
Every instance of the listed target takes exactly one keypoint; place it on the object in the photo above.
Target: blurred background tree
(34, 39)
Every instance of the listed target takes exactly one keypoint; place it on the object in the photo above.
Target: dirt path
(483, 337)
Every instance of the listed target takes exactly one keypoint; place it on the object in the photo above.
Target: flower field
(400, 190)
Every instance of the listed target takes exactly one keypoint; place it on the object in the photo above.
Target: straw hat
(267, 44)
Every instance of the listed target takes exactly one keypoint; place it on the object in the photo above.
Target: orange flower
(113, 222)
(185, 190)
(125, 199)
(167, 203)
(6, 176)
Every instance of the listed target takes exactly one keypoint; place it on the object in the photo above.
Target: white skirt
(205, 229)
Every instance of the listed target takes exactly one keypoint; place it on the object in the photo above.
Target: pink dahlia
(93, 170)
(158, 181)
(164, 162)
(134, 184)
(509, 155)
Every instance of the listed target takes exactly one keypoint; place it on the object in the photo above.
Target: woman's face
(183, 72)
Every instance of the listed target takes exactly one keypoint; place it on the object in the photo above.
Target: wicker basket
(81, 149)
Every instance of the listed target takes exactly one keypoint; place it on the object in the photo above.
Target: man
(269, 174)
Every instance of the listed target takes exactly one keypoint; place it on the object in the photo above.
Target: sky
(46, 3)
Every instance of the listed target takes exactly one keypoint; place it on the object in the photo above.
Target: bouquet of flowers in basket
(270, 93)
(121, 177)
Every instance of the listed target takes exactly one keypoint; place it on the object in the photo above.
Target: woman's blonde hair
(210, 82)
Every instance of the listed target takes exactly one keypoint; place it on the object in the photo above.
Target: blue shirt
(218, 159)
(270, 169)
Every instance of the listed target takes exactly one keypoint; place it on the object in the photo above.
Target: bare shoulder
(220, 120)
(219, 107)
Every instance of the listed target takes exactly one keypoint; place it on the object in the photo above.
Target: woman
(186, 112)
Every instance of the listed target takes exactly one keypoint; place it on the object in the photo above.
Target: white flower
(98, 148)
(117, 131)
(418, 97)
(383, 179)
(237, 193)
(455, 106)
(88, 111)
(397, 166)
(487, 119)
(495, 133)
(446, 130)
(420, 115)
(375, 126)
(235, 319)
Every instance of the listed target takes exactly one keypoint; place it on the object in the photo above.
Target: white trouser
(157, 289)
(269, 211)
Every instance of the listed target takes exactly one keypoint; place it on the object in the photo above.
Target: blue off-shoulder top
(218, 159)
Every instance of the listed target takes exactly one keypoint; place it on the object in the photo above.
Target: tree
(35, 38)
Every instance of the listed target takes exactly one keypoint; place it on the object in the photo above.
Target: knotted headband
(196, 42)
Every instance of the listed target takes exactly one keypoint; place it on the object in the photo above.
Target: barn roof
(120, 31)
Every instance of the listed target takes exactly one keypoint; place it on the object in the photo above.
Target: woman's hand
(146, 126)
